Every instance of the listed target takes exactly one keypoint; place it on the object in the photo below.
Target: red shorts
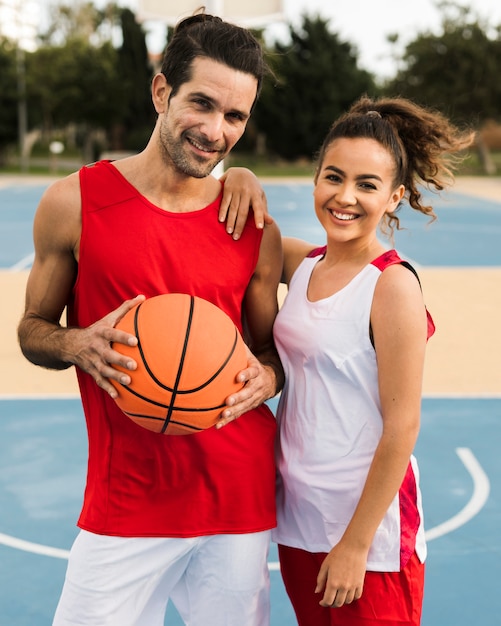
(388, 598)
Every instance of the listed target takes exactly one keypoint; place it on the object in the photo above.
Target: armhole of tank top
(411, 269)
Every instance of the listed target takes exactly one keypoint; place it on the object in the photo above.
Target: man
(186, 518)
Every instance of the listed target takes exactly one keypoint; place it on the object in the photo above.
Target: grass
(261, 166)
(472, 166)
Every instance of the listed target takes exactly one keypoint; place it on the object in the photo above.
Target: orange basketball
(188, 355)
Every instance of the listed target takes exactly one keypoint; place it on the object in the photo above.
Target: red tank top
(140, 483)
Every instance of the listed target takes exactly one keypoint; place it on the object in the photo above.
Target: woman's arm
(242, 192)
(398, 320)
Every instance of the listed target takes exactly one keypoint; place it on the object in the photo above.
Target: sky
(363, 23)
(367, 23)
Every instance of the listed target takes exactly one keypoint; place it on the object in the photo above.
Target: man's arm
(43, 340)
(56, 235)
(264, 376)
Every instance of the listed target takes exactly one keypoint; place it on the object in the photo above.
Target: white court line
(474, 395)
(481, 489)
(23, 264)
(35, 548)
(40, 396)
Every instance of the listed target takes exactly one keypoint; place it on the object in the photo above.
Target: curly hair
(426, 147)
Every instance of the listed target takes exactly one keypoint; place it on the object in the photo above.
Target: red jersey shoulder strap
(391, 257)
(101, 185)
(317, 251)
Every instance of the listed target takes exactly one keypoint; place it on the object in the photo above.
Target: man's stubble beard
(173, 153)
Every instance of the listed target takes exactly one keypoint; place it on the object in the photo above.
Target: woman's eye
(334, 178)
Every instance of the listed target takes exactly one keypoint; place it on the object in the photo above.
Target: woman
(351, 335)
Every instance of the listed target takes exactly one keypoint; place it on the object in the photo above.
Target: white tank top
(330, 423)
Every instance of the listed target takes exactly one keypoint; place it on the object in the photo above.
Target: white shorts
(219, 580)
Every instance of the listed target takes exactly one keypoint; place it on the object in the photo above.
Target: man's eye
(236, 116)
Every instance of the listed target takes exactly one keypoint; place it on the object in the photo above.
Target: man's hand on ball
(93, 352)
(259, 385)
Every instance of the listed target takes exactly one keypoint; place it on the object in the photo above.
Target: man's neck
(165, 187)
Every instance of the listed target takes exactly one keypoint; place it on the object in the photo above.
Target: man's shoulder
(64, 190)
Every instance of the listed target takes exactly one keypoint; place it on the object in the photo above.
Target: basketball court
(43, 441)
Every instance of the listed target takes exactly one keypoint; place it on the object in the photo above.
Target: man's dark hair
(210, 37)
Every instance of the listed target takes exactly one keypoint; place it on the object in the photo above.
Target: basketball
(188, 355)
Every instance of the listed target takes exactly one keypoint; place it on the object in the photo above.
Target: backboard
(243, 12)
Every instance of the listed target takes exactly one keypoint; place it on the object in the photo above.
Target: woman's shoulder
(295, 251)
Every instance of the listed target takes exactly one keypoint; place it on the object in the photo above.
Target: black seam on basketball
(136, 331)
(143, 357)
(190, 426)
(174, 389)
(176, 422)
(141, 415)
(171, 407)
(214, 376)
(181, 365)
(204, 409)
(166, 406)
(145, 362)
(145, 398)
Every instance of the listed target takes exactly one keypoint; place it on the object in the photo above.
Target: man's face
(206, 117)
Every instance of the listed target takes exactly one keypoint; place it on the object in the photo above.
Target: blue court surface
(43, 444)
(42, 470)
(467, 232)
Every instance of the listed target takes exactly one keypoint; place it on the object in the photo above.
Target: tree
(74, 83)
(317, 79)
(8, 97)
(135, 71)
(79, 77)
(457, 71)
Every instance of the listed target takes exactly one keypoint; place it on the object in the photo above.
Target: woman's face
(354, 188)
